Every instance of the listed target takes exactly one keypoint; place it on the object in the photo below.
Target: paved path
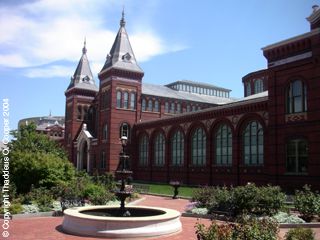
(50, 228)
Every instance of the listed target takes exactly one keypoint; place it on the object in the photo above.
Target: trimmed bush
(300, 233)
(253, 229)
(307, 203)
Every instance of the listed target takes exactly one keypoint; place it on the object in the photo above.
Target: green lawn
(168, 190)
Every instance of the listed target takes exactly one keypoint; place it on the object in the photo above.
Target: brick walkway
(50, 228)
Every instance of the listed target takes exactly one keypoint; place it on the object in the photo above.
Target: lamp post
(124, 141)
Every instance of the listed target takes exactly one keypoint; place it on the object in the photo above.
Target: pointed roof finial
(84, 49)
(122, 21)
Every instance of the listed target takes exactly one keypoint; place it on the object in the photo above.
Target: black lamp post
(124, 141)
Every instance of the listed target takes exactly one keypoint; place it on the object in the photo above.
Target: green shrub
(204, 196)
(300, 233)
(307, 203)
(253, 229)
(270, 200)
(97, 194)
(13, 209)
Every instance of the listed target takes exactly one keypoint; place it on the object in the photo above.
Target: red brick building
(194, 132)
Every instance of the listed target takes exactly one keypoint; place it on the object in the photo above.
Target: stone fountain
(123, 222)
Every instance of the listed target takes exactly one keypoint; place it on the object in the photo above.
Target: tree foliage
(36, 159)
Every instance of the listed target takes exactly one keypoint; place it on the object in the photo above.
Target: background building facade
(197, 133)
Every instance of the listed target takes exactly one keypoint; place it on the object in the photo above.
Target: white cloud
(51, 71)
(46, 31)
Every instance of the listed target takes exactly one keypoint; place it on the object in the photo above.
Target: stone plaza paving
(50, 227)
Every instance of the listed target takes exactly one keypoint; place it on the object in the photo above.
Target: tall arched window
(156, 106)
(258, 86)
(198, 147)
(133, 101)
(119, 99)
(143, 150)
(193, 108)
(296, 97)
(173, 108)
(103, 160)
(297, 156)
(90, 116)
(178, 108)
(253, 144)
(79, 113)
(144, 103)
(85, 113)
(69, 138)
(104, 132)
(126, 100)
(188, 108)
(223, 145)
(150, 105)
(248, 89)
(103, 101)
(159, 149)
(166, 106)
(177, 148)
(125, 130)
(108, 99)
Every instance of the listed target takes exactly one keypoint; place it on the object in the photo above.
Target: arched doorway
(83, 156)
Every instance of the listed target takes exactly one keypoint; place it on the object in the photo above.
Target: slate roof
(166, 92)
(259, 97)
(121, 55)
(82, 77)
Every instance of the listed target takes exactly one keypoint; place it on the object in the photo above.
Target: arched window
(178, 108)
(69, 138)
(143, 150)
(199, 108)
(253, 144)
(79, 113)
(297, 156)
(85, 113)
(173, 108)
(248, 89)
(296, 97)
(144, 103)
(159, 149)
(188, 108)
(198, 147)
(177, 148)
(90, 116)
(94, 161)
(104, 132)
(166, 106)
(258, 86)
(125, 130)
(193, 108)
(150, 105)
(223, 145)
(119, 99)
(108, 99)
(156, 106)
(133, 101)
(126, 100)
(103, 160)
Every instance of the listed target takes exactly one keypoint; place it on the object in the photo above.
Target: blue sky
(210, 41)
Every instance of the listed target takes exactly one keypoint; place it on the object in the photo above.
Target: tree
(36, 159)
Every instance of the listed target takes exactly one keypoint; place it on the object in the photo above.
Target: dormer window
(86, 79)
(127, 57)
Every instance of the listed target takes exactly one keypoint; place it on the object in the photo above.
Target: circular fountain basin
(145, 222)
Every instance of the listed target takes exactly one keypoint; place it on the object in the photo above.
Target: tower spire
(122, 21)
(84, 49)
